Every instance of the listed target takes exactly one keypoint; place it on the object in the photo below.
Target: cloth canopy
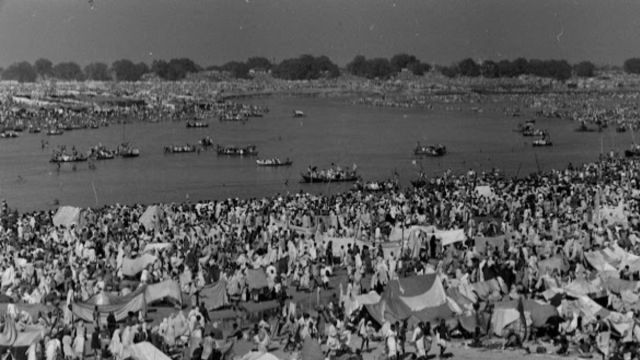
(67, 216)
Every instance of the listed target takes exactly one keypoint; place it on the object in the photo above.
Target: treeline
(556, 69)
(304, 67)
(382, 68)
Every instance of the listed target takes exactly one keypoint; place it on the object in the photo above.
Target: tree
(449, 71)
(489, 69)
(22, 72)
(520, 66)
(632, 66)
(257, 62)
(43, 67)
(506, 68)
(409, 62)
(379, 68)
(126, 70)
(238, 69)
(585, 69)
(358, 66)
(306, 67)
(97, 71)
(468, 67)
(68, 71)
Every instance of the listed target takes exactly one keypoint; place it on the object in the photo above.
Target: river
(380, 141)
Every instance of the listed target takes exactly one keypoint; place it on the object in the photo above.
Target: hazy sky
(215, 31)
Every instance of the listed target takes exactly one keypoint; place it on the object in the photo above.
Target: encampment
(67, 216)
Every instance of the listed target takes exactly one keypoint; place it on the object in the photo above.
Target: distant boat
(273, 162)
(54, 132)
(633, 151)
(298, 114)
(206, 141)
(330, 175)
(8, 134)
(179, 149)
(430, 150)
(250, 150)
(543, 141)
(125, 150)
(197, 124)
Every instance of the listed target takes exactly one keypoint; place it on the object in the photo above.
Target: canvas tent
(256, 279)
(146, 351)
(215, 296)
(67, 216)
(152, 217)
(119, 305)
(168, 289)
(421, 297)
(132, 267)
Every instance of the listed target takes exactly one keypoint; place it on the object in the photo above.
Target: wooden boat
(543, 141)
(273, 162)
(584, 128)
(102, 153)
(430, 150)
(179, 149)
(34, 130)
(54, 132)
(125, 150)
(621, 128)
(250, 150)
(61, 157)
(196, 124)
(330, 175)
(375, 186)
(298, 114)
(9, 134)
(633, 151)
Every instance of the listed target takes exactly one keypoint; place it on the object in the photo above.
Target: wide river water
(380, 141)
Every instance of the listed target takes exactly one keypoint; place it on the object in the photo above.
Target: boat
(34, 130)
(250, 150)
(54, 132)
(543, 141)
(531, 131)
(633, 151)
(100, 152)
(298, 114)
(621, 128)
(8, 134)
(179, 149)
(196, 124)
(430, 150)
(125, 150)
(273, 162)
(206, 141)
(374, 186)
(233, 117)
(335, 174)
(62, 157)
(584, 128)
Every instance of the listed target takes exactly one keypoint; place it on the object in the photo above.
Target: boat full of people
(100, 152)
(60, 155)
(633, 151)
(333, 174)
(298, 114)
(179, 149)
(125, 150)
(54, 132)
(191, 124)
(8, 134)
(430, 150)
(545, 140)
(250, 150)
(274, 162)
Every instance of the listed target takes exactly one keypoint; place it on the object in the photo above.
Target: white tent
(151, 218)
(67, 216)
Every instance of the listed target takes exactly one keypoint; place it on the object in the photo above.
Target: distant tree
(97, 71)
(379, 68)
(22, 72)
(409, 62)
(506, 69)
(419, 68)
(468, 67)
(177, 69)
(584, 69)
(632, 66)
(358, 66)
(449, 71)
(238, 69)
(538, 68)
(160, 68)
(489, 69)
(68, 71)
(520, 66)
(306, 67)
(560, 69)
(126, 70)
(258, 63)
(44, 67)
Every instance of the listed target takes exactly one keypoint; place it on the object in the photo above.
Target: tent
(146, 351)
(67, 216)
(538, 311)
(256, 279)
(17, 342)
(255, 355)
(156, 246)
(495, 242)
(486, 191)
(152, 218)
(555, 263)
(449, 237)
(119, 305)
(421, 297)
(132, 267)
(168, 289)
(215, 296)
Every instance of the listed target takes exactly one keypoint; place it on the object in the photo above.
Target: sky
(212, 32)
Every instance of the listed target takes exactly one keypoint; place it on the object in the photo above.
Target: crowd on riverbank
(552, 257)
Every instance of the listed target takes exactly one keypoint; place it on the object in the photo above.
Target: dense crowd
(542, 217)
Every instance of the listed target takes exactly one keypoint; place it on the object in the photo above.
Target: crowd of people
(542, 217)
